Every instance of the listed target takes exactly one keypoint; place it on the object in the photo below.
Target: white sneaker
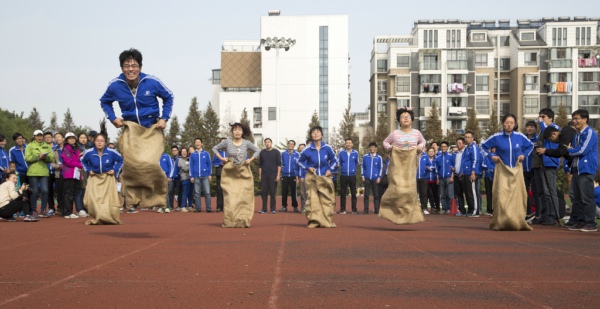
(167, 210)
(160, 210)
(82, 214)
(72, 216)
(425, 212)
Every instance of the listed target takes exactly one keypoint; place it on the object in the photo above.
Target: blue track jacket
(322, 160)
(16, 155)
(444, 164)
(489, 166)
(372, 166)
(142, 108)
(167, 165)
(471, 160)
(508, 146)
(585, 147)
(528, 158)
(110, 160)
(200, 164)
(348, 162)
(289, 163)
(549, 161)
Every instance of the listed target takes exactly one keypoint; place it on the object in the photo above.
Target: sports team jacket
(289, 166)
(322, 160)
(200, 164)
(471, 160)
(16, 155)
(110, 160)
(444, 164)
(585, 147)
(372, 166)
(422, 171)
(508, 146)
(548, 161)
(348, 162)
(167, 165)
(142, 108)
(489, 166)
(529, 158)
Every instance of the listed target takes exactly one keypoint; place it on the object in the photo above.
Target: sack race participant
(509, 198)
(141, 142)
(101, 194)
(319, 160)
(237, 180)
(399, 203)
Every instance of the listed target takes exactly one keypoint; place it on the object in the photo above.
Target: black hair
(316, 128)
(430, 148)
(470, 132)
(130, 54)
(549, 130)
(268, 138)
(461, 139)
(372, 144)
(548, 112)
(11, 173)
(444, 142)
(47, 133)
(308, 141)
(571, 123)
(16, 135)
(347, 139)
(198, 138)
(2, 138)
(80, 134)
(245, 129)
(434, 142)
(293, 141)
(403, 110)
(174, 146)
(514, 117)
(583, 113)
(531, 123)
(58, 133)
(301, 145)
(103, 131)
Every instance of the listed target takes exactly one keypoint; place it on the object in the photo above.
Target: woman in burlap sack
(509, 193)
(101, 196)
(400, 204)
(237, 181)
(319, 161)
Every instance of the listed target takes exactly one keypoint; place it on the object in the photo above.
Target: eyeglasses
(132, 66)
(405, 117)
(577, 118)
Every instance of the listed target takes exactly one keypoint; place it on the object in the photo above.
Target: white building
(311, 76)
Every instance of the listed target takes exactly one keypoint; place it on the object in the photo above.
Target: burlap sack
(320, 202)
(400, 203)
(102, 200)
(143, 180)
(237, 183)
(509, 199)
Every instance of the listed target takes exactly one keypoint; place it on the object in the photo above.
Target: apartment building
(463, 64)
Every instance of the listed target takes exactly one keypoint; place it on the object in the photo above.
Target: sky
(61, 54)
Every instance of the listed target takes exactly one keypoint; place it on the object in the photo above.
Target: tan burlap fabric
(238, 195)
(509, 199)
(143, 180)
(400, 203)
(320, 201)
(102, 200)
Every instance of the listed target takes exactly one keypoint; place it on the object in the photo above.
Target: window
(403, 61)
(504, 86)
(382, 108)
(272, 113)
(531, 105)
(457, 125)
(590, 103)
(482, 106)
(583, 36)
(531, 59)
(555, 101)
(427, 102)
(588, 81)
(504, 108)
(504, 64)
(457, 78)
(430, 38)
(382, 87)
(402, 83)
(478, 36)
(453, 39)
(257, 115)
(531, 82)
(382, 65)
(559, 36)
(430, 62)
(504, 40)
(457, 59)
(455, 102)
(560, 77)
(216, 77)
(482, 83)
(481, 60)
(402, 102)
(527, 36)
(430, 83)
(483, 124)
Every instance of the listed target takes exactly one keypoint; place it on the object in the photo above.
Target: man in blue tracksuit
(174, 186)
(422, 179)
(584, 151)
(300, 178)
(530, 132)
(16, 154)
(201, 175)
(371, 169)
(348, 159)
(471, 164)
(444, 164)
(167, 166)
(289, 173)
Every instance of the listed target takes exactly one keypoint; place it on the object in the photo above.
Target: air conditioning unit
(457, 111)
(381, 99)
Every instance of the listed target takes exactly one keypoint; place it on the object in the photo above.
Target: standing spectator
(16, 154)
(185, 200)
(91, 136)
(269, 171)
(489, 166)
(218, 164)
(289, 172)
(175, 184)
(433, 194)
(462, 184)
(474, 154)
(372, 165)
(444, 165)
(82, 144)
(201, 175)
(530, 129)
(71, 170)
(584, 151)
(11, 200)
(49, 139)
(166, 163)
(348, 159)
(37, 155)
(300, 179)
(4, 166)
(57, 166)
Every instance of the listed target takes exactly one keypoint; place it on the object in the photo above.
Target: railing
(588, 62)
(456, 65)
(561, 63)
(431, 88)
(457, 111)
(589, 86)
(428, 66)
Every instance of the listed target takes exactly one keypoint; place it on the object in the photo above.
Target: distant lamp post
(277, 44)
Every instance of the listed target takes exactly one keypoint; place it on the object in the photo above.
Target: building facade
(280, 89)
(485, 65)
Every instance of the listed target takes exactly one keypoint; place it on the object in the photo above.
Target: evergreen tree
(68, 124)
(493, 125)
(35, 121)
(10, 123)
(314, 121)
(367, 138)
(433, 127)
(211, 127)
(561, 118)
(172, 137)
(347, 129)
(245, 121)
(54, 124)
(451, 136)
(380, 135)
(473, 124)
(192, 127)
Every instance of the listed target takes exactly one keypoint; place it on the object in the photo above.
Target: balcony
(561, 63)
(591, 62)
(430, 88)
(429, 66)
(589, 86)
(456, 64)
(457, 87)
(457, 112)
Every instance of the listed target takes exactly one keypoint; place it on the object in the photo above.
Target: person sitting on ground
(11, 199)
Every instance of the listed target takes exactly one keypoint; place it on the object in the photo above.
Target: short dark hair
(47, 133)
(403, 110)
(2, 138)
(583, 113)
(316, 128)
(16, 135)
(513, 117)
(347, 139)
(198, 138)
(531, 123)
(301, 145)
(434, 142)
(245, 129)
(444, 142)
(470, 132)
(10, 173)
(549, 130)
(268, 139)
(293, 141)
(372, 144)
(130, 54)
(430, 148)
(461, 139)
(58, 133)
(308, 141)
(174, 146)
(548, 112)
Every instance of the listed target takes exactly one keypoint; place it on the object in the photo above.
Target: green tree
(68, 124)
(493, 125)
(347, 129)
(172, 137)
(211, 127)
(451, 136)
(35, 121)
(246, 122)
(192, 127)
(366, 139)
(473, 124)
(433, 127)
(314, 121)
(54, 127)
(380, 135)
(561, 118)
(10, 123)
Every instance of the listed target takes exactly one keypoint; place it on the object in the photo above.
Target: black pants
(288, 184)
(433, 194)
(374, 186)
(489, 184)
(422, 189)
(218, 172)
(69, 189)
(465, 189)
(268, 188)
(14, 207)
(346, 181)
(51, 182)
(58, 188)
